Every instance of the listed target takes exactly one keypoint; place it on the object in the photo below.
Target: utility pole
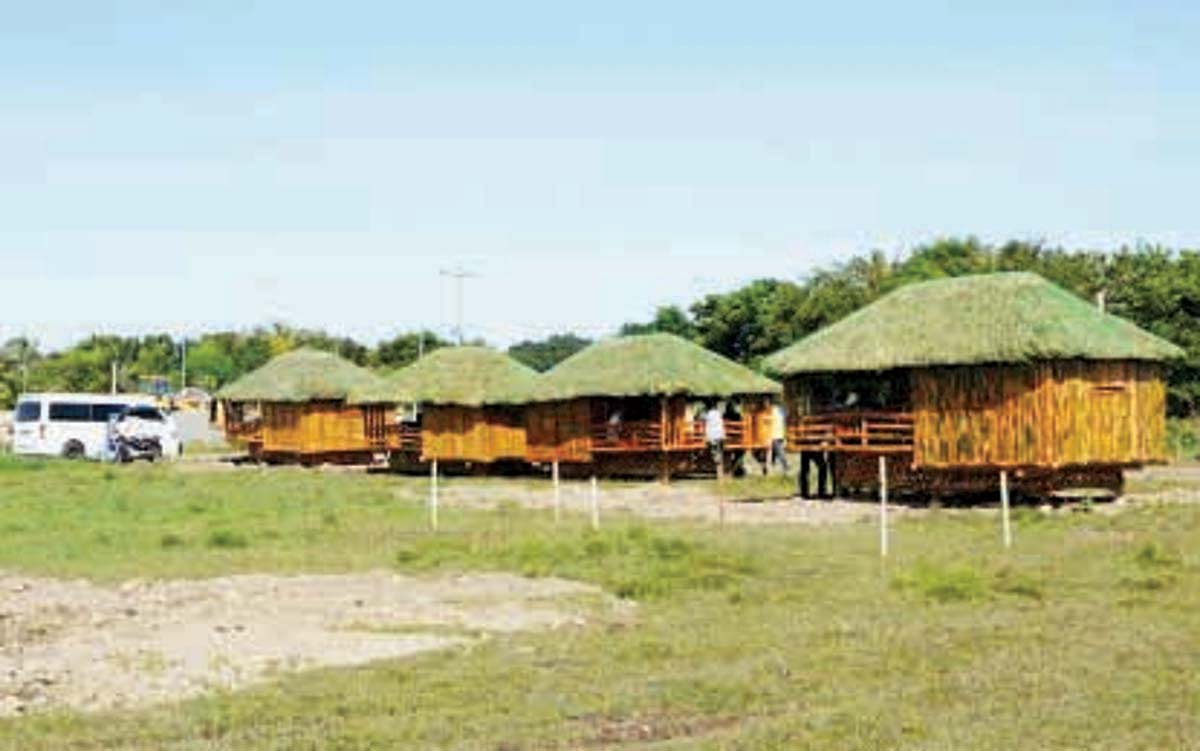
(458, 274)
(183, 363)
(25, 347)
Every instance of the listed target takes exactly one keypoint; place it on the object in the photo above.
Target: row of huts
(630, 405)
(950, 380)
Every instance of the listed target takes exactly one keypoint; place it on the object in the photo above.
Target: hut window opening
(849, 392)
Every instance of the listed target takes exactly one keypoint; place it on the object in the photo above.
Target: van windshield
(29, 411)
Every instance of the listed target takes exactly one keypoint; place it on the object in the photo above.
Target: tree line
(1157, 288)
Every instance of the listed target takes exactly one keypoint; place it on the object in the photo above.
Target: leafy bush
(1183, 438)
(227, 538)
(1154, 555)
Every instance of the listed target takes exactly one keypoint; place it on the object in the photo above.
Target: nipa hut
(956, 380)
(294, 409)
(458, 405)
(633, 405)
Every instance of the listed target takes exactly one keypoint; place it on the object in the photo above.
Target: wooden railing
(735, 435)
(404, 437)
(854, 432)
(249, 432)
(645, 435)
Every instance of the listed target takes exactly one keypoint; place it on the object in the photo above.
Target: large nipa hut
(633, 406)
(956, 381)
(458, 406)
(294, 409)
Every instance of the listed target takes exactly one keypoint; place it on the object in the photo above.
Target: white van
(75, 426)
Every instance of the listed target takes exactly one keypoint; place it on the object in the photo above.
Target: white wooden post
(1005, 522)
(433, 495)
(557, 492)
(595, 503)
(883, 502)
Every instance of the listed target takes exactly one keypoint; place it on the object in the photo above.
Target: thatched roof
(651, 365)
(466, 376)
(990, 318)
(301, 375)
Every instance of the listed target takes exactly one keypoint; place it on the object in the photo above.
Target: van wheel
(73, 450)
(155, 454)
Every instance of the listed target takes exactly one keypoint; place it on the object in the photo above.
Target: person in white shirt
(714, 435)
(779, 436)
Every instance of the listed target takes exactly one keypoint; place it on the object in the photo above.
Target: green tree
(668, 319)
(543, 354)
(750, 322)
(405, 349)
(17, 355)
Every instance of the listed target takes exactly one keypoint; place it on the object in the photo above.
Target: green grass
(1085, 635)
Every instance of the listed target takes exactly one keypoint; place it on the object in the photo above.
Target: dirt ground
(677, 501)
(72, 644)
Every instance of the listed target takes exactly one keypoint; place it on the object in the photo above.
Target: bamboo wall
(473, 434)
(1049, 414)
(559, 430)
(313, 428)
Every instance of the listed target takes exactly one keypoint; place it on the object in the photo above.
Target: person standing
(714, 435)
(779, 436)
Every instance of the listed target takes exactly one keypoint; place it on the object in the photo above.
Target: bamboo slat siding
(1048, 414)
(313, 428)
(559, 430)
(472, 434)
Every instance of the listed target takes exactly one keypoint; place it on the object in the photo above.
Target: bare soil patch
(73, 644)
(678, 501)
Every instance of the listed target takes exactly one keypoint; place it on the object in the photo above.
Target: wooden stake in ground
(433, 495)
(883, 502)
(1005, 522)
(557, 492)
(595, 503)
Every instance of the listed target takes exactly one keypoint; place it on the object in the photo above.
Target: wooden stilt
(883, 503)
(595, 503)
(433, 495)
(1005, 522)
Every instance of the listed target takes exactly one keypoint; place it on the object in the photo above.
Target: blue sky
(227, 166)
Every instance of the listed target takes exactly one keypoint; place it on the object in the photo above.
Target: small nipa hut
(634, 405)
(956, 381)
(459, 406)
(294, 409)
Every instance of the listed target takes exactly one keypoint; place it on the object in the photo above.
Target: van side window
(70, 412)
(101, 412)
(29, 411)
(145, 413)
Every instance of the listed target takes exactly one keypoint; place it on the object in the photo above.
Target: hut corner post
(595, 503)
(883, 503)
(433, 495)
(1005, 521)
